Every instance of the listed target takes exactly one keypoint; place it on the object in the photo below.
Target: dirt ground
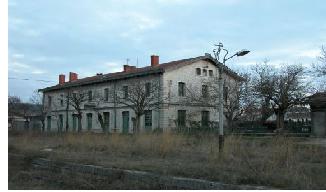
(277, 162)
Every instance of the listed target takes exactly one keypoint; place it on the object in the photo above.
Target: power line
(26, 79)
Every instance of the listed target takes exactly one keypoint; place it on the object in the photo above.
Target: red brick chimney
(154, 60)
(128, 68)
(62, 79)
(73, 76)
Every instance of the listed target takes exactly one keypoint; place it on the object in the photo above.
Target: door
(74, 122)
(148, 120)
(89, 121)
(205, 119)
(106, 121)
(125, 121)
(48, 123)
(60, 122)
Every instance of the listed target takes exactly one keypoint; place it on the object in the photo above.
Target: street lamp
(217, 53)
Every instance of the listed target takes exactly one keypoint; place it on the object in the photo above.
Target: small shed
(317, 104)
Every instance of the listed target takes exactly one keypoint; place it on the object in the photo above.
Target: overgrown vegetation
(277, 161)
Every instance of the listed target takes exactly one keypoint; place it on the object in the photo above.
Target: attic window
(210, 73)
(198, 71)
(205, 72)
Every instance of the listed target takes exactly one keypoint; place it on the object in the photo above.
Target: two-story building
(174, 79)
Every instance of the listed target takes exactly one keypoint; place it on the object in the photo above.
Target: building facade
(102, 105)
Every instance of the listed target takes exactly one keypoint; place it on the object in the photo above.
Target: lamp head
(242, 52)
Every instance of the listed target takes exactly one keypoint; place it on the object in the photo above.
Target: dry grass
(278, 161)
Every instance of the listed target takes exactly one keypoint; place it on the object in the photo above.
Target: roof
(144, 71)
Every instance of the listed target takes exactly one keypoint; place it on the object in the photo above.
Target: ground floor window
(89, 121)
(181, 118)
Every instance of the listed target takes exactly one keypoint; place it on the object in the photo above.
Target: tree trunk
(280, 120)
(138, 123)
(100, 119)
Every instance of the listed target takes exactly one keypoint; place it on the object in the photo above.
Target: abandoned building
(174, 79)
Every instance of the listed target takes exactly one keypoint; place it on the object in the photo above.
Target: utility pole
(221, 66)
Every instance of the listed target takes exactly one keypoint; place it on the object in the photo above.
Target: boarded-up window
(181, 118)
(181, 89)
(198, 71)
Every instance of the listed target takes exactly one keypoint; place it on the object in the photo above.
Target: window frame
(181, 89)
(198, 71)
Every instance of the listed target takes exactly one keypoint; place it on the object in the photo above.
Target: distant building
(174, 79)
(318, 114)
(294, 114)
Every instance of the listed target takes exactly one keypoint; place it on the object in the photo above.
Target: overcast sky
(49, 37)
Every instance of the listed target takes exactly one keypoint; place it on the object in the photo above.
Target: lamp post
(221, 87)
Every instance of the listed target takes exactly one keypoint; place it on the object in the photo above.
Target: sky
(52, 37)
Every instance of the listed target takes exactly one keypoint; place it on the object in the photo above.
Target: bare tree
(139, 96)
(281, 88)
(37, 100)
(76, 99)
(320, 69)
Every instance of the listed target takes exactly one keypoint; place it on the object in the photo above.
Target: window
(225, 93)
(74, 95)
(90, 98)
(210, 73)
(148, 89)
(181, 89)
(205, 91)
(205, 72)
(61, 100)
(205, 118)
(106, 94)
(198, 71)
(148, 120)
(89, 121)
(49, 101)
(181, 118)
(125, 92)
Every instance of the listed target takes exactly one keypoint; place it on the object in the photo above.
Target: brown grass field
(279, 162)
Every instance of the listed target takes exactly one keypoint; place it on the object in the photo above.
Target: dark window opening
(198, 71)
(181, 118)
(90, 96)
(89, 121)
(210, 73)
(125, 92)
(148, 89)
(205, 72)
(225, 94)
(205, 91)
(106, 94)
(205, 118)
(181, 89)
